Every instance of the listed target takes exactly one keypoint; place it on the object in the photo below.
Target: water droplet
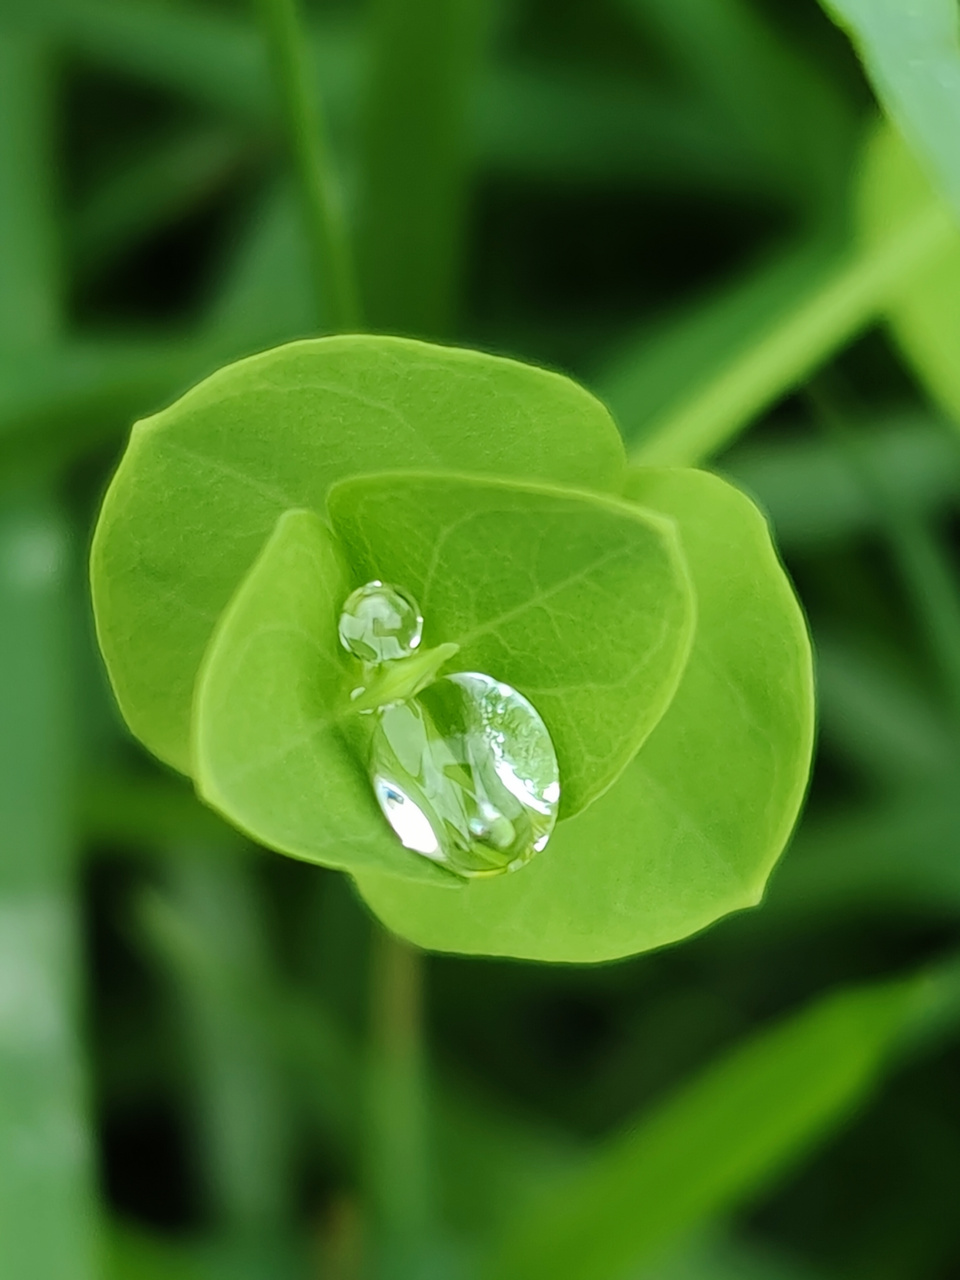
(466, 774)
(380, 623)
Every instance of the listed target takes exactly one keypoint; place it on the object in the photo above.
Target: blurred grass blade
(324, 1063)
(923, 317)
(770, 96)
(264, 296)
(242, 1123)
(649, 378)
(813, 500)
(330, 247)
(47, 1202)
(57, 403)
(791, 336)
(48, 1210)
(572, 124)
(147, 815)
(713, 1256)
(911, 52)
(314, 1048)
(195, 51)
(885, 724)
(165, 183)
(719, 1138)
(29, 265)
(397, 1149)
(555, 122)
(134, 1254)
(415, 160)
(922, 561)
(896, 859)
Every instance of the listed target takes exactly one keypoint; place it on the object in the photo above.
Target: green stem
(398, 1162)
(851, 298)
(926, 572)
(415, 160)
(30, 299)
(402, 679)
(333, 270)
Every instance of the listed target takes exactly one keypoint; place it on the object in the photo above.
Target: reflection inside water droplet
(380, 623)
(466, 774)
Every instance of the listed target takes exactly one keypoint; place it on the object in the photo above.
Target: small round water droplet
(380, 623)
(466, 774)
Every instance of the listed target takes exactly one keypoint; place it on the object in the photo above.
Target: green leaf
(203, 483)
(580, 602)
(268, 751)
(716, 1140)
(697, 821)
(923, 315)
(911, 52)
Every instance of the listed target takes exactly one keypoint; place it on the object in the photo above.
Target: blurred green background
(633, 191)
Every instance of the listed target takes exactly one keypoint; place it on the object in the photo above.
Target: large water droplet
(467, 775)
(380, 623)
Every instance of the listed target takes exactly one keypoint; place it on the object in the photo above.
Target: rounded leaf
(695, 824)
(580, 602)
(203, 483)
(271, 714)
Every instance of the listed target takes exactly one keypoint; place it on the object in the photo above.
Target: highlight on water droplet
(380, 623)
(467, 775)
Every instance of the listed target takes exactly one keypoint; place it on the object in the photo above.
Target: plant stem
(333, 269)
(416, 159)
(30, 299)
(927, 574)
(397, 1170)
(853, 295)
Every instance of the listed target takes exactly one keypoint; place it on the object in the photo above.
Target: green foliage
(911, 51)
(47, 1193)
(204, 482)
(779, 104)
(415, 161)
(653, 196)
(580, 601)
(268, 750)
(923, 314)
(695, 824)
(746, 1117)
(582, 604)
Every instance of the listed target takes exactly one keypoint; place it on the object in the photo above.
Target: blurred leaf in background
(688, 205)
